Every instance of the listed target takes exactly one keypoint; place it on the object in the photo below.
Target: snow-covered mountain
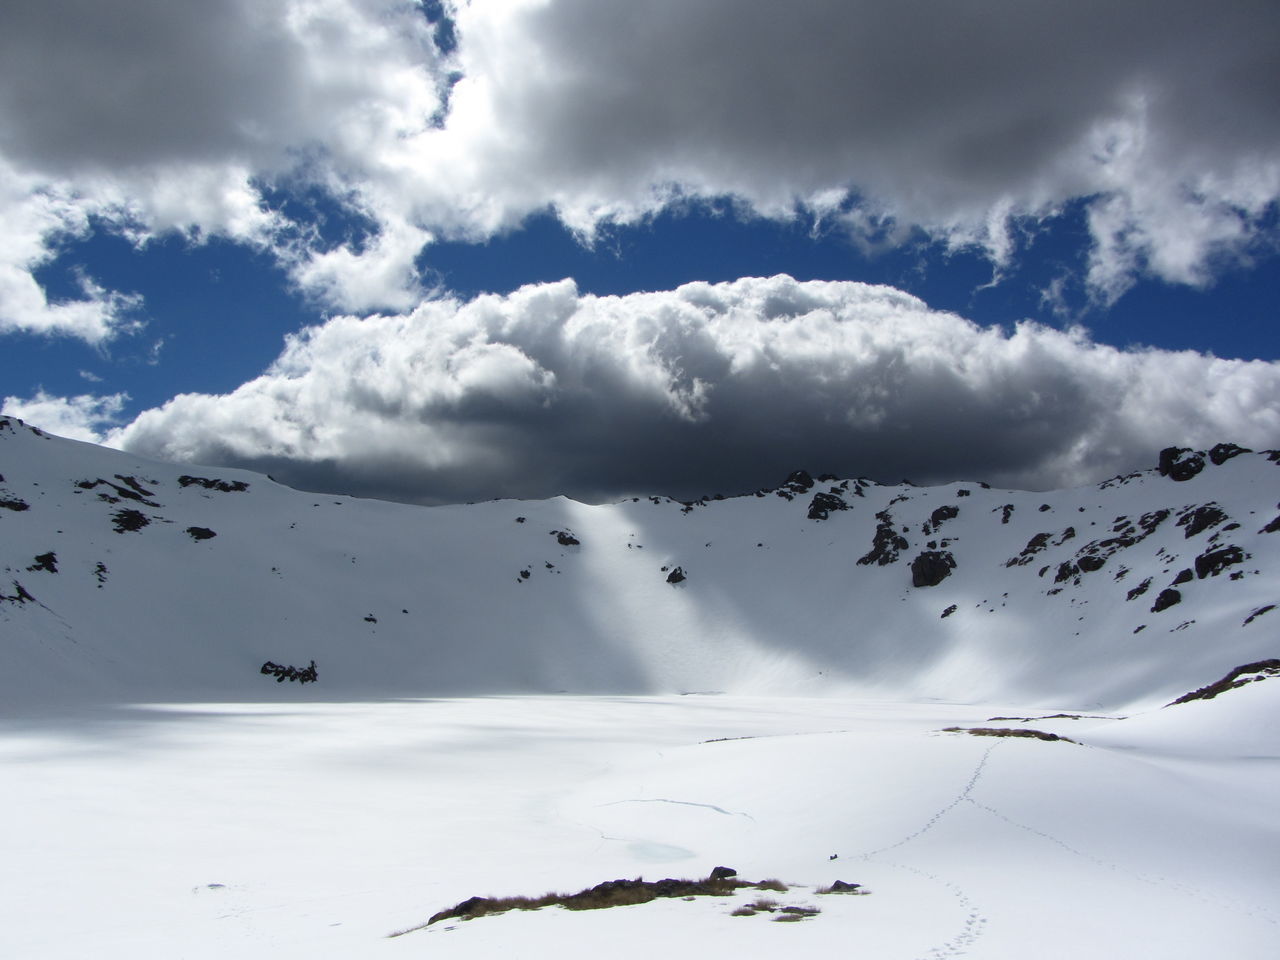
(175, 785)
(125, 577)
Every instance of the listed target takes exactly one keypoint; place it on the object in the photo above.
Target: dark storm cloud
(957, 118)
(704, 389)
(950, 116)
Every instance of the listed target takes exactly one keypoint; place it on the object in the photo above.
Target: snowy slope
(1052, 593)
(163, 798)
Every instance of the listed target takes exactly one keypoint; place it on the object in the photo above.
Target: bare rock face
(1180, 463)
(799, 481)
(677, 576)
(886, 544)
(931, 567)
(1167, 598)
(939, 517)
(823, 504)
(1198, 519)
(1213, 562)
(1222, 452)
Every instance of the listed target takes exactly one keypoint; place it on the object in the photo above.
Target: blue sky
(185, 190)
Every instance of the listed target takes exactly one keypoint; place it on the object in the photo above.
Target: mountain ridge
(125, 577)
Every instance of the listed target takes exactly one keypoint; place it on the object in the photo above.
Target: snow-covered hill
(127, 577)
(164, 797)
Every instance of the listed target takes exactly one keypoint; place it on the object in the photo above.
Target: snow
(316, 830)
(782, 707)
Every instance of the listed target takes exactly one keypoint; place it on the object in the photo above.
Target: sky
(446, 251)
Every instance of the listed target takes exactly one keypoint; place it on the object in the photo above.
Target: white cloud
(704, 388)
(958, 118)
(85, 417)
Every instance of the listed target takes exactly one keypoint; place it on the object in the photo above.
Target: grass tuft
(1008, 732)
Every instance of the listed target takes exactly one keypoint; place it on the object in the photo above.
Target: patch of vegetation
(722, 882)
(856, 889)
(1008, 732)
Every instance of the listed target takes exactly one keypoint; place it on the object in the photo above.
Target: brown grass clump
(857, 889)
(611, 893)
(1008, 732)
(774, 884)
(793, 914)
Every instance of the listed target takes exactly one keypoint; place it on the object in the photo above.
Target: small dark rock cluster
(129, 521)
(222, 486)
(290, 673)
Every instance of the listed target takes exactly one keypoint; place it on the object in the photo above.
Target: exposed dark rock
(134, 491)
(13, 503)
(1180, 463)
(525, 574)
(1167, 598)
(963, 493)
(939, 517)
(565, 538)
(1034, 546)
(1089, 563)
(201, 533)
(823, 504)
(519, 519)
(20, 595)
(1198, 519)
(1005, 512)
(677, 575)
(1184, 576)
(290, 673)
(1044, 507)
(1129, 533)
(931, 567)
(45, 561)
(799, 481)
(1272, 527)
(722, 873)
(1067, 534)
(1066, 570)
(1236, 678)
(1257, 613)
(948, 612)
(886, 544)
(222, 486)
(1223, 452)
(129, 521)
(1213, 562)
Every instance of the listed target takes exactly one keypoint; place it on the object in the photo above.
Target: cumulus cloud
(953, 117)
(956, 118)
(85, 417)
(151, 116)
(706, 388)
